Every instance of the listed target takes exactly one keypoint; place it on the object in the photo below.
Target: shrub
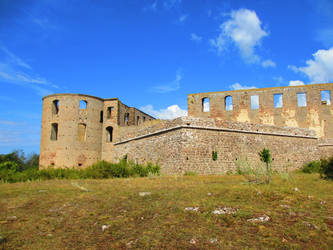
(326, 168)
(266, 157)
(9, 171)
(311, 167)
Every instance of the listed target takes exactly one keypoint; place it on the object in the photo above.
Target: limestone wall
(316, 115)
(186, 144)
(79, 131)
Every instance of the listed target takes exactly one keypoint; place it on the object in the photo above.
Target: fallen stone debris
(225, 210)
(144, 194)
(261, 219)
(195, 209)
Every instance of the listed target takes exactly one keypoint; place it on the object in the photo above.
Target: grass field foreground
(184, 212)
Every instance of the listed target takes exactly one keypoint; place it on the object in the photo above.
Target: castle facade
(295, 123)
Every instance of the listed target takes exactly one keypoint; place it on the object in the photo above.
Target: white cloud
(268, 63)
(14, 59)
(195, 37)
(320, 68)
(14, 70)
(296, 83)
(244, 30)
(169, 87)
(170, 112)
(237, 86)
(183, 18)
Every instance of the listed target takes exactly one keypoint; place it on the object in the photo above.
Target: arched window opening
(137, 120)
(81, 136)
(205, 104)
(83, 104)
(109, 134)
(55, 107)
(101, 116)
(254, 102)
(126, 118)
(228, 103)
(54, 131)
(144, 119)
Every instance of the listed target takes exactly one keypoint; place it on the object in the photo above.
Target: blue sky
(152, 53)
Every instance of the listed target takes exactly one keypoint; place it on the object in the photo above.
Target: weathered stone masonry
(294, 134)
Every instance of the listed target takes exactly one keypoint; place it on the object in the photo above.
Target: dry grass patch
(112, 214)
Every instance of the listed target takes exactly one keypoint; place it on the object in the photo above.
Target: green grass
(60, 214)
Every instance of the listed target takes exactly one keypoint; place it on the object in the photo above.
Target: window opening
(205, 104)
(82, 132)
(278, 101)
(301, 99)
(137, 120)
(109, 112)
(83, 104)
(255, 102)
(101, 116)
(228, 103)
(54, 131)
(109, 134)
(55, 107)
(325, 97)
(126, 118)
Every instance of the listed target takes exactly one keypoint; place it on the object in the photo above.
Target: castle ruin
(295, 123)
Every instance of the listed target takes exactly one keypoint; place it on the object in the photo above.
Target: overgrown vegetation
(324, 167)
(266, 157)
(168, 212)
(15, 168)
(214, 155)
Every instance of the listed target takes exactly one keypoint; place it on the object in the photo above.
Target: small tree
(266, 157)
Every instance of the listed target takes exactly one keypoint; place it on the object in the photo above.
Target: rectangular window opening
(205, 104)
(81, 132)
(54, 131)
(109, 112)
(228, 103)
(325, 97)
(255, 102)
(301, 99)
(278, 101)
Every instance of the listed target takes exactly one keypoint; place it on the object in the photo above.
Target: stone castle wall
(73, 146)
(186, 144)
(107, 129)
(316, 115)
(77, 136)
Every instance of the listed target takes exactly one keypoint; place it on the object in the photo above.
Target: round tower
(71, 133)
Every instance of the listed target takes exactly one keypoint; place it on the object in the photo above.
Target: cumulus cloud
(296, 83)
(268, 63)
(195, 37)
(237, 86)
(244, 30)
(320, 68)
(170, 112)
(169, 87)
